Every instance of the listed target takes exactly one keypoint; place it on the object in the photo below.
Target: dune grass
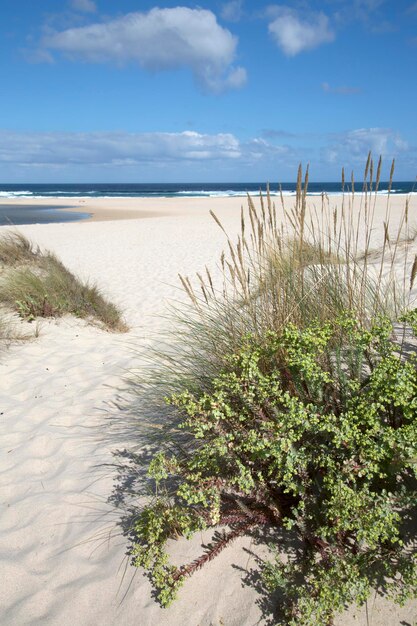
(36, 284)
(293, 265)
(291, 406)
(16, 249)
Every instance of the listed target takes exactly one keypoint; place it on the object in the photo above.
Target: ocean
(168, 190)
(29, 214)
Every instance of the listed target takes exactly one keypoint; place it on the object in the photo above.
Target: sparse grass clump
(36, 284)
(293, 406)
(16, 249)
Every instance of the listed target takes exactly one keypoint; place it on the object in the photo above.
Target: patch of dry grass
(36, 284)
(16, 249)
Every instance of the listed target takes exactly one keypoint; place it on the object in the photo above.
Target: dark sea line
(166, 190)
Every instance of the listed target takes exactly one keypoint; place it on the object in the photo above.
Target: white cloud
(354, 145)
(161, 39)
(120, 150)
(85, 6)
(110, 148)
(196, 156)
(236, 79)
(295, 33)
(258, 149)
(232, 11)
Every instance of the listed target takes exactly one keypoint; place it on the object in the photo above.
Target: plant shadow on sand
(268, 603)
(133, 488)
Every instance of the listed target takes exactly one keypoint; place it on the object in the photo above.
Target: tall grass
(295, 264)
(36, 284)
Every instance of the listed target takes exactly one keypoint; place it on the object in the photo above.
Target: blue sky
(106, 91)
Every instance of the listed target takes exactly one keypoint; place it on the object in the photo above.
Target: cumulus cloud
(85, 6)
(354, 145)
(161, 39)
(110, 148)
(258, 149)
(295, 33)
(118, 151)
(342, 90)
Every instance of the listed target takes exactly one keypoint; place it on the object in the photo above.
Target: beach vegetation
(36, 284)
(291, 405)
(16, 249)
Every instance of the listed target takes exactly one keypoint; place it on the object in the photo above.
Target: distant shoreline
(98, 209)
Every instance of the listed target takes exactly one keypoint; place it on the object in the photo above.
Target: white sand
(62, 554)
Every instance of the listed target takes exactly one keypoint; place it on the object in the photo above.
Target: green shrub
(312, 431)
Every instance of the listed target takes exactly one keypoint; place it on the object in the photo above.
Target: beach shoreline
(131, 208)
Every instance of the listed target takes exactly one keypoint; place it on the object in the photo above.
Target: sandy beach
(63, 554)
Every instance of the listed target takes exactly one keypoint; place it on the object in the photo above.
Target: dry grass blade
(378, 174)
(218, 222)
(188, 289)
(386, 234)
(413, 272)
(210, 280)
(367, 166)
(391, 176)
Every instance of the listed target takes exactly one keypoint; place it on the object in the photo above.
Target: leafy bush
(313, 431)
